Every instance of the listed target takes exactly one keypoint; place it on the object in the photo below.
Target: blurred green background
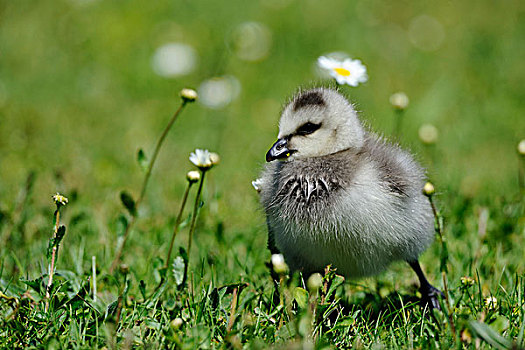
(85, 84)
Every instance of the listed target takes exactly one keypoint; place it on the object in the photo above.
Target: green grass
(79, 98)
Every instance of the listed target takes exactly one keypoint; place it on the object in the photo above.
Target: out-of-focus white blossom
(218, 92)
(426, 33)
(251, 41)
(521, 147)
(428, 134)
(399, 100)
(174, 60)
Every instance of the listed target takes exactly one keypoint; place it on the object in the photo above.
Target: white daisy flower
(201, 158)
(347, 71)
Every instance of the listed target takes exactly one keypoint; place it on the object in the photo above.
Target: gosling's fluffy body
(344, 196)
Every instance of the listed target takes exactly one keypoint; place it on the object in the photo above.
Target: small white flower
(251, 41)
(188, 95)
(201, 158)
(491, 302)
(278, 263)
(399, 100)
(428, 189)
(174, 59)
(60, 199)
(257, 184)
(218, 92)
(193, 176)
(347, 71)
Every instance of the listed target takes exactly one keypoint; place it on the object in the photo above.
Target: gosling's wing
(396, 169)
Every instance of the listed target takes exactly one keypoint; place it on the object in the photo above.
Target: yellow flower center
(342, 71)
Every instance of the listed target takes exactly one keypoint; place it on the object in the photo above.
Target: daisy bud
(278, 263)
(176, 323)
(188, 95)
(315, 281)
(428, 134)
(521, 147)
(60, 199)
(124, 268)
(428, 189)
(214, 158)
(193, 176)
(399, 101)
(467, 281)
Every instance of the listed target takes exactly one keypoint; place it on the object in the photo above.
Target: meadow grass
(79, 99)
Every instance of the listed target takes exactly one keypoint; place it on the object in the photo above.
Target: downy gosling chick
(340, 195)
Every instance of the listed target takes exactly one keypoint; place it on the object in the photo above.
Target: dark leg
(429, 293)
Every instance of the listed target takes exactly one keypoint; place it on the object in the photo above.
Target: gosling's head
(316, 123)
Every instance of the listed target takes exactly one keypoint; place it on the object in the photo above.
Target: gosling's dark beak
(279, 150)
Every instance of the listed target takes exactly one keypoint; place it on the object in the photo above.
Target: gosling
(341, 195)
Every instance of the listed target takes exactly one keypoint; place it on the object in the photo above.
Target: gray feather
(345, 197)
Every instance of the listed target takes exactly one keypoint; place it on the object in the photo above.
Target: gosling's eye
(307, 128)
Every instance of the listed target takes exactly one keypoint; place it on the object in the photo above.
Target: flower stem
(439, 229)
(53, 256)
(157, 149)
(521, 174)
(120, 249)
(398, 123)
(231, 320)
(94, 278)
(193, 220)
(177, 222)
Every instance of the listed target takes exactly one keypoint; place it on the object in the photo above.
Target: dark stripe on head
(311, 98)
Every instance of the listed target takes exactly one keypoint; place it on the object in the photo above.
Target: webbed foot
(430, 296)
